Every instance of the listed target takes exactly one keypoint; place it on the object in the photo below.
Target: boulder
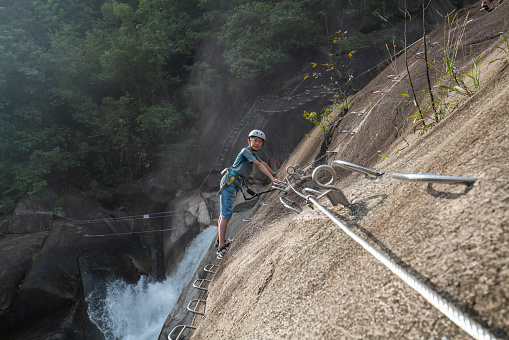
(192, 216)
(17, 254)
(47, 275)
(33, 215)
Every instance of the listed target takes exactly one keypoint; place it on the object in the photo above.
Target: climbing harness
(243, 183)
(230, 181)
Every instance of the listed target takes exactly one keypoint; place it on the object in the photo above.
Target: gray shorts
(227, 198)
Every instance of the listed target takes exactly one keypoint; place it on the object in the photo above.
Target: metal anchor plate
(334, 194)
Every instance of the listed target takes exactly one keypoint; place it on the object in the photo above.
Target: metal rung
(279, 187)
(265, 204)
(199, 286)
(358, 113)
(289, 206)
(184, 327)
(208, 268)
(358, 168)
(379, 92)
(193, 310)
(319, 193)
(349, 132)
(434, 178)
(246, 219)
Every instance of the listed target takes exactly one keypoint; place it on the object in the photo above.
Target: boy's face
(255, 143)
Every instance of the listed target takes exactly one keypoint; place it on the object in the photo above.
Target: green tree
(259, 37)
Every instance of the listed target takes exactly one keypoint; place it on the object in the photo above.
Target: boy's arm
(263, 167)
(274, 174)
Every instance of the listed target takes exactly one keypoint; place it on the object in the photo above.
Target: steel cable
(455, 315)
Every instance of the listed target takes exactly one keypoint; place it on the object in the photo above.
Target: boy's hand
(276, 180)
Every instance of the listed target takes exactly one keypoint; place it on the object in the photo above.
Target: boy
(233, 180)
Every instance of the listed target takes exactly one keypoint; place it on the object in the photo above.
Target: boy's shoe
(221, 251)
(217, 242)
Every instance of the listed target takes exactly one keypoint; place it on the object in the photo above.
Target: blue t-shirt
(243, 163)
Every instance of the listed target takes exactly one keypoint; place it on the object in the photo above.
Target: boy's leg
(223, 224)
(226, 206)
(218, 224)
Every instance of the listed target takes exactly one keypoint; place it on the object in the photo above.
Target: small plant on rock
(340, 57)
(321, 120)
(505, 49)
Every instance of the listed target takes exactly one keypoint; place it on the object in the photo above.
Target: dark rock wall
(54, 261)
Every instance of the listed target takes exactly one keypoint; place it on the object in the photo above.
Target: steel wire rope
(127, 218)
(132, 232)
(124, 219)
(73, 222)
(459, 318)
(368, 70)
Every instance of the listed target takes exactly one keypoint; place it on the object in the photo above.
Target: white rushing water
(138, 311)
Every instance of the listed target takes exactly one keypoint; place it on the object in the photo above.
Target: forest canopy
(92, 92)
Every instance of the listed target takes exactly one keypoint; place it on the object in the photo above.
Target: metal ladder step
(199, 284)
(193, 310)
(208, 268)
(183, 328)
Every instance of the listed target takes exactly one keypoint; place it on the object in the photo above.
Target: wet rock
(159, 187)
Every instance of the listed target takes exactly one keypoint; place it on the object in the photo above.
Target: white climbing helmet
(257, 133)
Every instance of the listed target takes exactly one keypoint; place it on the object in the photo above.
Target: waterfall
(138, 311)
